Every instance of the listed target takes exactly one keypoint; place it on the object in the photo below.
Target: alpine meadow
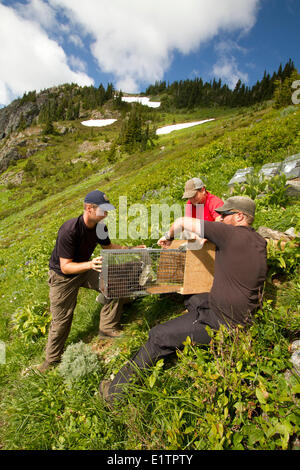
(241, 392)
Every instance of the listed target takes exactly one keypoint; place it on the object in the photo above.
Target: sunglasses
(224, 214)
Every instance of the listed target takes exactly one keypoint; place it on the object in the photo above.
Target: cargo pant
(63, 299)
(166, 338)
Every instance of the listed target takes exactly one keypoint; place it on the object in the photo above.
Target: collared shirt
(212, 202)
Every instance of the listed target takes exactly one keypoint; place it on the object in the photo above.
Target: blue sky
(274, 39)
(133, 43)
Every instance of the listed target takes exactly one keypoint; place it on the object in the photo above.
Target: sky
(133, 43)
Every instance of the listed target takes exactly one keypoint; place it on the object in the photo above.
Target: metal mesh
(129, 273)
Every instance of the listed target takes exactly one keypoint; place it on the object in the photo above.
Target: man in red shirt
(197, 195)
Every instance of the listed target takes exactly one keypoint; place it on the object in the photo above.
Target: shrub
(231, 394)
(284, 261)
(77, 362)
(32, 320)
(37, 257)
(30, 166)
(270, 191)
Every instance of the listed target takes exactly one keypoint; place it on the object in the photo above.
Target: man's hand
(96, 264)
(196, 243)
(163, 242)
(139, 246)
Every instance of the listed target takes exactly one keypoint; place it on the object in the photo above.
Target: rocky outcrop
(18, 146)
(20, 114)
(267, 232)
(293, 187)
(12, 178)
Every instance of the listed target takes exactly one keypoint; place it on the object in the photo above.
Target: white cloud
(76, 63)
(135, 40)
(37, 11)
(227, 70)
(226, 67)
(227, 46)
(29, 59)
(76, 40)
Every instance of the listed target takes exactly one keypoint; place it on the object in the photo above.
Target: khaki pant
(63, 299)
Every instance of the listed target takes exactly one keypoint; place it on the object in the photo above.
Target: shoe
(110, 334)
(42, 368)
(104, 390)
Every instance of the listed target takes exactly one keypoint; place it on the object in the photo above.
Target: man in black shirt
(240, 272)
(71, 268)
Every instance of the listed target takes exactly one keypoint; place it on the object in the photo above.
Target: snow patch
(176, 127)
(98, 122)
(141, 99)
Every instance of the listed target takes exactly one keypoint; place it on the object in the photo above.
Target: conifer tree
(49, 128)
(283, 90)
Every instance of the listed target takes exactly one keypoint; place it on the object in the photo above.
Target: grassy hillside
(234, 394)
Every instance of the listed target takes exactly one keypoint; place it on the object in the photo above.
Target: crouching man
(240, 272)
(71, 267)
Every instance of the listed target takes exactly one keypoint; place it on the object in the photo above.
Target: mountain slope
(200, 402)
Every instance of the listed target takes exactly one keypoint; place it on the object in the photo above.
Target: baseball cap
(240, 204)
(100, 199)
(191, 187)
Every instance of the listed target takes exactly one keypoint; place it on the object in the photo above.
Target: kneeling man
(240, 273)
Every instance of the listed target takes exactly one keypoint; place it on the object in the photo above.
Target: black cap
(100, 199)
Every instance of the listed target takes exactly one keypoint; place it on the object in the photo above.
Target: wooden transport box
(199, 268)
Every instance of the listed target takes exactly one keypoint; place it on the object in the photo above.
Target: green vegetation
(195, 93)
(66, 105)
(235, 393)
(135, 133)
(283, 90)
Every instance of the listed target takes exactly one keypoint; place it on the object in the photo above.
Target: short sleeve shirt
(240, 271)
(211, 204)
(77, 242)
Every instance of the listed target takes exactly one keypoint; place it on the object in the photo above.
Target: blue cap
(100, 199)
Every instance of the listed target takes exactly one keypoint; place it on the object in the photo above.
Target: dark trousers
(166, 338)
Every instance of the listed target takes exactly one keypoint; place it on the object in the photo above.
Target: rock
(295, 360)
(266, 232)
(295, 346)
(270, 169)
(293, 188)
(63, 130)
(240, 176)
(12, 178)
(17, 114)
(15, 148)
(89, 147)
(291, 233)
(6, 158)
(105, 170)
(291, 167)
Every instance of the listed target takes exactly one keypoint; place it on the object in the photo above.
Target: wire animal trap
(127, 273)
(135, 272)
